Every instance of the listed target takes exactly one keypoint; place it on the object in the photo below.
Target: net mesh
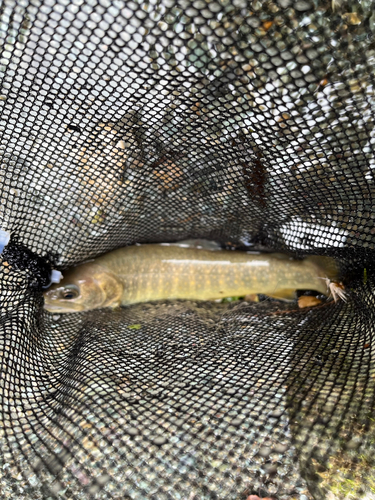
(249, 123)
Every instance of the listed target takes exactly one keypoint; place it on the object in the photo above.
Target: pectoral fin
(284, 294)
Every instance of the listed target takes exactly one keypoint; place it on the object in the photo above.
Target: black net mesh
(249, 123)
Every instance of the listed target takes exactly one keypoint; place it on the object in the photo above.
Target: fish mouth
(56, 308)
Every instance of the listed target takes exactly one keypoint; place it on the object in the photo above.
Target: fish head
(83, 288)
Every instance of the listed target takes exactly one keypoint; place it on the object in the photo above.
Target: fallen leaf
(267, 25)
(251, 297)
(135, 327)
(352, 18)
(308, 301)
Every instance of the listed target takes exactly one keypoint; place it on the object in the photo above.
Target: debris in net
(352, 18)
(251, 297)
(230, 299)
(135, 327)
(308, 301)
(55, 277)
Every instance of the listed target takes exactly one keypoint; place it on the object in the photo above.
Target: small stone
(251, 297)
(179, 422)
(353, 444)
(276, 414)
(57, 487)
(302, 5)
(280, 448)
(284, 3)
(231, 391)
(132, 431)
(237, 422)
(264, 451)
(270, 468)
(159, 441)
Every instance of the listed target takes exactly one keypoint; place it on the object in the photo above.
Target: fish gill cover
(249, 123)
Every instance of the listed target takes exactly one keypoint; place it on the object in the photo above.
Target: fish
(151, 272)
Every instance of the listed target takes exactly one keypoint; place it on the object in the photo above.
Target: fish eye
(70, 292)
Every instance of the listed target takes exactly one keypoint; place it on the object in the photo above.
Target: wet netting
(245, 123)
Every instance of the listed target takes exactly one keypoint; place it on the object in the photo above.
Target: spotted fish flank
(156, 272)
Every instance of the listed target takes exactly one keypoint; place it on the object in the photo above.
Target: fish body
(156, 272)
